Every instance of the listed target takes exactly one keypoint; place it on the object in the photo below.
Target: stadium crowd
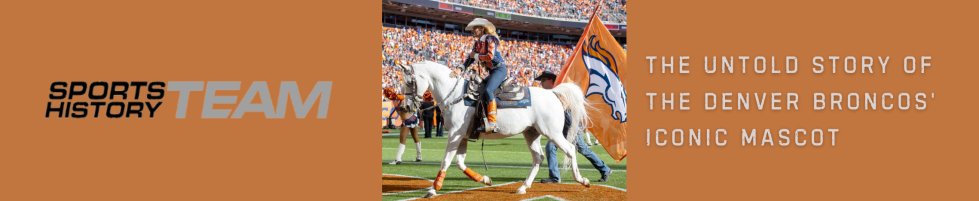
(612, 10)
(410, 44)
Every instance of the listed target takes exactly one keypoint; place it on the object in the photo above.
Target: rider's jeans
(494, 80)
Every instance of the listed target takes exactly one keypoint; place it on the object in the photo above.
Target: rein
(454, 87)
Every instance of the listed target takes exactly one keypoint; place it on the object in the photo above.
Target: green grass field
(508, 159)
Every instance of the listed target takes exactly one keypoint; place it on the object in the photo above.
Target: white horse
(545, 117)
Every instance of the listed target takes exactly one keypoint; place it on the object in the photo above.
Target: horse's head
(414, 85)
(428, 76)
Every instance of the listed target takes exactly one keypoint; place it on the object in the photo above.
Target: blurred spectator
(612, 10)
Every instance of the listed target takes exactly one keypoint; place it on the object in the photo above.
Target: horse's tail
(573, 100)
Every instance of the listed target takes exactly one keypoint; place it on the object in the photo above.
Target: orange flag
(595, 65)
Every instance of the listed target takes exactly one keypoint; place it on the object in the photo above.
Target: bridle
(411, 90)
(412, 99)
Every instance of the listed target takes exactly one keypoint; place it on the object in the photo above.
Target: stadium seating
(409, 44)
(612, 10)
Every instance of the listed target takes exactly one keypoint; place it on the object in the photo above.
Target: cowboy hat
(481, 22)
(546, 75)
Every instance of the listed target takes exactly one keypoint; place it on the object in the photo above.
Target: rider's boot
(490, 117)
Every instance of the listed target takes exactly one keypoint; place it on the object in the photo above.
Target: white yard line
(411, 191)
(500, 166)
(481, 187)
(443, 150)
(612, 187)
(469, 189)
(508, 183)
(403, 192)
(401, 175)
(542, 197)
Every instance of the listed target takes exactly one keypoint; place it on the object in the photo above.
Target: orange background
(913, 155)
(191, 159)
(881, 155)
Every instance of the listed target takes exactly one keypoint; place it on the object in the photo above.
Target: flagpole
(564, 70)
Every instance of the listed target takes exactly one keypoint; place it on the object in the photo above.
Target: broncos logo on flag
(603, 76)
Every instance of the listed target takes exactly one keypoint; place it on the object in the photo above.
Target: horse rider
(486, 53)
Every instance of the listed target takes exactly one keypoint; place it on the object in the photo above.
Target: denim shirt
(482, 45)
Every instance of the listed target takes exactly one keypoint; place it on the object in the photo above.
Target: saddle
(510, 95)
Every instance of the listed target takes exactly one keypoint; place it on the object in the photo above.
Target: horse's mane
(434, 68)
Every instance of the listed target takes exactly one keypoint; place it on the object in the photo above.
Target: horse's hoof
(585, 182)
(431, 193)
(487, 180)
(522, 190)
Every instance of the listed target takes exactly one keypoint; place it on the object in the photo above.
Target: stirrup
(488, 127)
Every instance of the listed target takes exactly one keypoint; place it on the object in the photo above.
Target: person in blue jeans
(486, 54)
(554, 172)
